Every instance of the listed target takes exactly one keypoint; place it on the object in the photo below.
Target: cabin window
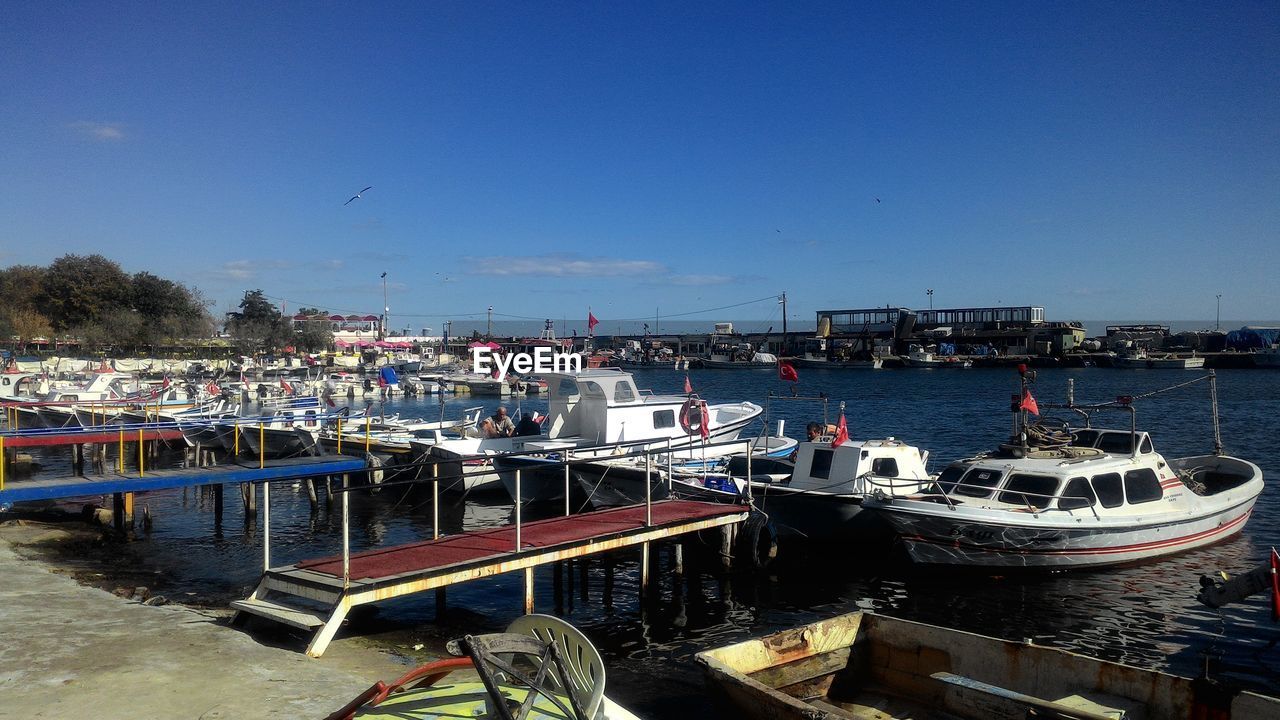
(1146, 444)
(664, 419)
(1085, 438)
(821, 466)
(1109, 490)
(568, 388)
(311, 418)
(885, 467)
(1077, 495)
(1032, 490)
(978, 482)
(1142, 486)
(1116, 442)
(590, 388)
(949, 477)
(622, 393)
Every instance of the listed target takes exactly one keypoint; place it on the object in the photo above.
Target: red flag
(706, 420)
(212, 388)
(787, 372)
(842, 433)
(688, 388)
(1029, 403)
(592, 322)
(165, 384)
(285, 386)
(1275, 585)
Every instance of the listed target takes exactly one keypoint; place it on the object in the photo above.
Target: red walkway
(489, 545)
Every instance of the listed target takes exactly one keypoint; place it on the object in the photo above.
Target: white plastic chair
(585, 666)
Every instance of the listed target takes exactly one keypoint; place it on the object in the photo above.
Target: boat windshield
(1029, 490)
(948, 478)
(979, 482)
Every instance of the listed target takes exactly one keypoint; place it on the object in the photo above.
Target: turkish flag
(688, 387)
(592, 322)
(706, 420)
(787, 372)
(1029, 403)
(842, 433)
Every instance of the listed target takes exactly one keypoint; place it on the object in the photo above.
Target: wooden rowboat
(865, 666)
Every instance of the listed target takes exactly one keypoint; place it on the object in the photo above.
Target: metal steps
(301, 618)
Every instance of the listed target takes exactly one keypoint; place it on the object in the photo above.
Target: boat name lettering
(957, 531)
(542, 360)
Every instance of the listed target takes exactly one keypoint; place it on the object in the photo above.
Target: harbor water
(1144, 615)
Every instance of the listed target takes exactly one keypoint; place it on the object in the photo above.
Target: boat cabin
(870, 464)
(1099, 470)
(603, 404)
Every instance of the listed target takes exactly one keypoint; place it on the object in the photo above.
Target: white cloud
(557, 265)
(695, 280)
(104, 132)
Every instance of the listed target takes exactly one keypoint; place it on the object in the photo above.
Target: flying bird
(357, 195)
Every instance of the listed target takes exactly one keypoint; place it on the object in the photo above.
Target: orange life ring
(694, 417)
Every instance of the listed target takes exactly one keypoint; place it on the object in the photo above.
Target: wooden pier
(339, 583)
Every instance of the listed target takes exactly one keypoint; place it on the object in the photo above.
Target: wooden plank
(292, 616)
(1021, 699)
(803, 669)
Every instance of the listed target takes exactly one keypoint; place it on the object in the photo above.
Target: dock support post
(644, 569)
(440, 604)
(77, 459)
(677, 558)
(250, 497)
(346, 532)
(518, 503)
(583, 567)
(557, 585)
(528, 591)
(122, 511)
(266, 524)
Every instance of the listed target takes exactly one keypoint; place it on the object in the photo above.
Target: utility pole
(1217, 323)
(386, 320)
(783, 300)
(929, 292)
(488, 331)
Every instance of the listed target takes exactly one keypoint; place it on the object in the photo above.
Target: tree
(80, 289)
(258, 326)
(315, 333)
(28, 325)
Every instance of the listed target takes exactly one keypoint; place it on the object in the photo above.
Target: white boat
(819, 354)
(738, 356)
(1141, 358)
(1070, 498)
(597, 412)
(869, 666)
(926, 357)
(823, 497)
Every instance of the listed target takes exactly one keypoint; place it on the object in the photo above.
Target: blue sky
(1105, 160)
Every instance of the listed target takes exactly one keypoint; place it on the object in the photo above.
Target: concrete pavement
(70, 651)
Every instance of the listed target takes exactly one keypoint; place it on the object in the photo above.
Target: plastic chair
(582, 660)
(493, 657)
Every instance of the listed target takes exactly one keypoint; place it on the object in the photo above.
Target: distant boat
(1141, 358)
(1267, 357)
(865, 665)
(926, 357)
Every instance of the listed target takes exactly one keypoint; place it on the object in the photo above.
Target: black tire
(757, 543)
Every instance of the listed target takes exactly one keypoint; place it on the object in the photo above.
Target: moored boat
(863, 665)
(1068, 497)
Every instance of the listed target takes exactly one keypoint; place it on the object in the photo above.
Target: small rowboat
(862, 665)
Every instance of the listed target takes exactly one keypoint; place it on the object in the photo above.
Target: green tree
(80, 289)
(258, 326)
(315, 333)
(27, 325)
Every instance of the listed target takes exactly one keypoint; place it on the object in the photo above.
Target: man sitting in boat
(813, 431)
(528, 426)
(502, 425)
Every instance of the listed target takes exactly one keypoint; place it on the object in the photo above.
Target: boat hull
(960, 538)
